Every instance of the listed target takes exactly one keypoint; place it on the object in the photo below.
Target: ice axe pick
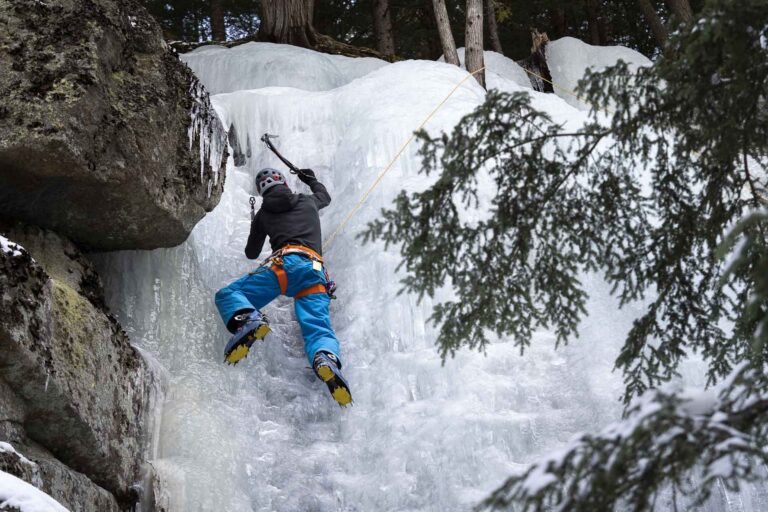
(266, 140)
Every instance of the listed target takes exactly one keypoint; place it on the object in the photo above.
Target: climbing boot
(253, 326)
(327, 369)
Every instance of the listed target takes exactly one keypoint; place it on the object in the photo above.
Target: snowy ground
(422, 436)
(16, 494)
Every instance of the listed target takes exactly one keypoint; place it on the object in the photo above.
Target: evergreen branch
(662, 442)
(525, 224)
(647, 201)
(757, 198)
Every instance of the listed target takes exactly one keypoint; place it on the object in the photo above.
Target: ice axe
(294, 170)
(265, 139)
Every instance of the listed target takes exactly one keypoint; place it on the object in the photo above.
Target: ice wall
(568, 58)
(500, 71)
(255, 65)
(264, 435)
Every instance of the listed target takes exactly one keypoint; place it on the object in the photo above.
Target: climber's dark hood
(279, 199)
(288, 218)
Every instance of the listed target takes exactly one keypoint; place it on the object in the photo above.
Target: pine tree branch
(660, 444)
(758, 199)
(645, 198)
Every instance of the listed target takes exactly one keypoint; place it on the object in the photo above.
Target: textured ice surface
(568, 58)
(254, 65)
(264, 435)
(501, 72)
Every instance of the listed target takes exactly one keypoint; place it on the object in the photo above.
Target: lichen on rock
(95, 126)
(80, 390)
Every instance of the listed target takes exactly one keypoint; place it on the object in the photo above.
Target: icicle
(206, 127)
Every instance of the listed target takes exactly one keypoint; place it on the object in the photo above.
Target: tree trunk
(218, 28)
(558, 22)
(652, 17)
(431, 49)
(450, 54)
(287, 22)
(493, 28)
(536, 63)
(600, 28)
(606, 30)
(290, 22)
(473, 53)
(382, 28)
(592, 22)
(682, 9)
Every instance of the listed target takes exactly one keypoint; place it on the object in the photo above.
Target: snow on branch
(664, 441)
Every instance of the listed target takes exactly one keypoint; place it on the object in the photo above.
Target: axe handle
(272, 148)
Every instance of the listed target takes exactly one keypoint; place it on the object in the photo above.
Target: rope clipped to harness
(275, 261)
(275, 264)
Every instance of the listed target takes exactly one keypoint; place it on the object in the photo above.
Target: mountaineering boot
(326, 367)
(252, 326)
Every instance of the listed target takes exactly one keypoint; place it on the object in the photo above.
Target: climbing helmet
(268, 178)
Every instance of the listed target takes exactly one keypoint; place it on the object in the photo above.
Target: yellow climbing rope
(352, 212)
(608, 110)
(389, 166)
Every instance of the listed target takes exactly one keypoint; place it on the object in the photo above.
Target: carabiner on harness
(330, 287)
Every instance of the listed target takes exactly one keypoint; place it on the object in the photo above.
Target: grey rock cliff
(34, 464)
(76, 392)
(97, 120)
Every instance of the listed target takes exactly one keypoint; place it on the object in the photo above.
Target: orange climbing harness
(275, 262)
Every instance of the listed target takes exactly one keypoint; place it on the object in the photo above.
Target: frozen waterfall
(265, 435)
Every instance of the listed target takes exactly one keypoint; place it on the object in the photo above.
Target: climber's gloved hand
(306, 176)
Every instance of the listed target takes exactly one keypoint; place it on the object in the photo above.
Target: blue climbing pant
(259, 288)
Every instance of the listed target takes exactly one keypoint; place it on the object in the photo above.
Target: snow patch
(11, 248)
(7, 448)
(37, 480)
(17, 493)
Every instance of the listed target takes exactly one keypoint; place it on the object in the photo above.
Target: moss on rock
(95, 123)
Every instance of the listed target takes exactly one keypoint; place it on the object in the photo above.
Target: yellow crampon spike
(325, 373)
(241, 351)
(342, 396)
(262, 332)
(237, 354)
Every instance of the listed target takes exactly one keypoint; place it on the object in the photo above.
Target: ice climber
(294, 269)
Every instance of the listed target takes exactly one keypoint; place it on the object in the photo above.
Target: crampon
(327, 369)
(254, 328)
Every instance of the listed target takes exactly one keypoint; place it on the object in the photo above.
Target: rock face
(74, 490)
(76, 394)
(97, 121)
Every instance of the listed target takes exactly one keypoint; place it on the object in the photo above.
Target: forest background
(408, 28)
(702, 140)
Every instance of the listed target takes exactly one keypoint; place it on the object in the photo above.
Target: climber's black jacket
(288, 218)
